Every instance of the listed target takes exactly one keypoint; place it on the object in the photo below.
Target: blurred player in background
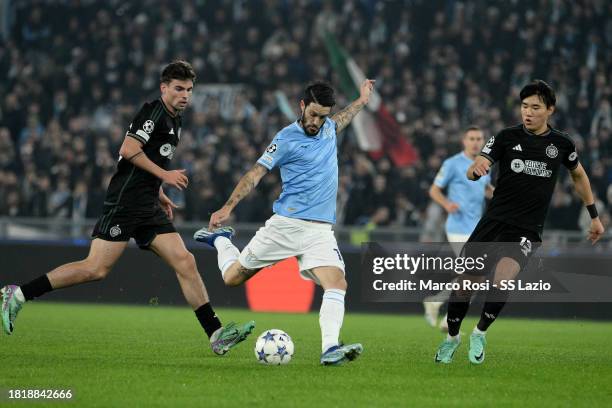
(306, 153)
(530, 156)
(136, 207)
(464, 202)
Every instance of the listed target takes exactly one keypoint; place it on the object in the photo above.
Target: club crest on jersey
(552, 151)
(148, 126)
(115, 231)
(271, 149)
(517, 165)
(167, 150)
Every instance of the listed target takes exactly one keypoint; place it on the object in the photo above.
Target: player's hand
(366, 90)
(451, 207)
(219, 217)
(596, 230)
(482, 168)
(176, 178)
(167, 205)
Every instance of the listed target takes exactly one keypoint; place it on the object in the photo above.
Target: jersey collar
(530, 133)
(177, 114)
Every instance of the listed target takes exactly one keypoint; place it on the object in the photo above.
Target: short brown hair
(178, 69)
(472, 127)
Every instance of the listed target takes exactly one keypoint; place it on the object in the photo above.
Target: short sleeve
(142, 125)
(444, 175)
(570, 159)
(276, 153)
(493, 149)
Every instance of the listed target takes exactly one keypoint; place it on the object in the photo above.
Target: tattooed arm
(344, 117)
(246, 184)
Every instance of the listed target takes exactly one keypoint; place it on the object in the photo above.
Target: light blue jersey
(309, 172)
(469, 195)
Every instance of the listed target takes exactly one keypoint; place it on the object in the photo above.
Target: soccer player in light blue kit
(306, 153)
(464, 203)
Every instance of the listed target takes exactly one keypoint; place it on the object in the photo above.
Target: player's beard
(305, 128)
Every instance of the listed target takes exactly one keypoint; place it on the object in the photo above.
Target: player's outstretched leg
(102, 256)
(170, 248)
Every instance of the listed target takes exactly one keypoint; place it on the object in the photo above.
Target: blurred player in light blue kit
(307, 155)
(464, 202)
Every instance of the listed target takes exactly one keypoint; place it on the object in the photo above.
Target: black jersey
(131, 187)
(528, 169)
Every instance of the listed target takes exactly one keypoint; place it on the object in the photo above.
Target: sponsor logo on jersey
(552, 151)
(573, 156)
(530, 167)
(167, 150)
(115, 231)
(518, 148)
(171, 132)
(148, 126)
(271, 149)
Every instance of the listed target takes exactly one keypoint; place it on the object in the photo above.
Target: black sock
(208, 319)
(36, 288)
(491, 308)
(457, 309)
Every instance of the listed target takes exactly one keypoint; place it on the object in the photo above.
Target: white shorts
(457, 241)
(314, 244)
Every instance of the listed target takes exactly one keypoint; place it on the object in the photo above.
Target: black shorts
(120, 224)
(498, 240)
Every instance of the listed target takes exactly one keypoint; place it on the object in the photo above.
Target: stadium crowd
(73, 73)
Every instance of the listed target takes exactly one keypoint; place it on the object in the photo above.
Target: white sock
(19, 295)
(227, 253)
(452, 338)
(478, 331)
(331, 317)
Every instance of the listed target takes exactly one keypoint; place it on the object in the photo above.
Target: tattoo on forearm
(245, 186)
(344, 117)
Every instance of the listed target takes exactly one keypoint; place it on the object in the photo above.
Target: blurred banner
(140, 277)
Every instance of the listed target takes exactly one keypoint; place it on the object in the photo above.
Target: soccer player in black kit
(529, 156)
(136, 207)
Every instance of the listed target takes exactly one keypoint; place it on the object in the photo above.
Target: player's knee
(232, 280)
(95, 271)
(341, 284)
(185, 262)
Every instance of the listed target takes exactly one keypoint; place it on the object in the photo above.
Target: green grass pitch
(159, 357)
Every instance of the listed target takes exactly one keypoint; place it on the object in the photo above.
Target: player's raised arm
(479, 168)
(583, 189)
(131, 150)
(246, 184)
(344, 117)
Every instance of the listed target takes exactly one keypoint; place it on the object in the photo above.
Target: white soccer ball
(274, 347)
